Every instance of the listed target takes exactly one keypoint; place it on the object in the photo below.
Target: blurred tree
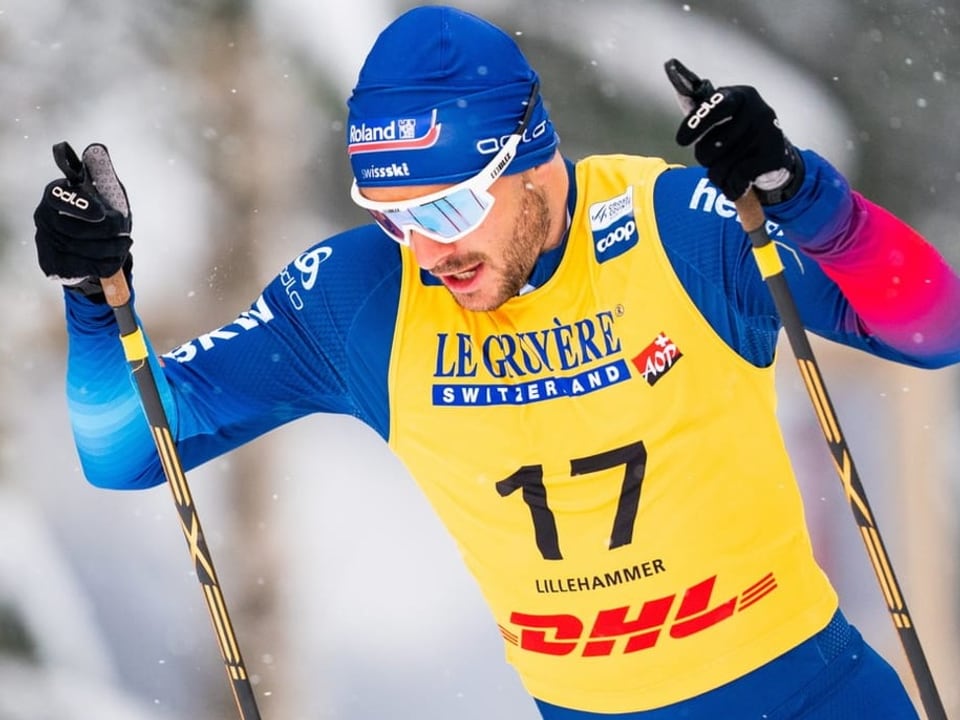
(15, 639)
(231, 79)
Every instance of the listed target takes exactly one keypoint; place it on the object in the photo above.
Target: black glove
(83, 221)
(737, 137)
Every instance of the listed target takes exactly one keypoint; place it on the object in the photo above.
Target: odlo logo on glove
(705, 107)
(70, 197)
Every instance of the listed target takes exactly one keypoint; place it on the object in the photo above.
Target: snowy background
(225, 121)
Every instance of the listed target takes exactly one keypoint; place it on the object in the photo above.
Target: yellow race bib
(612, 472)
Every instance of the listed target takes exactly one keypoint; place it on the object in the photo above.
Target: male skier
(574, 360)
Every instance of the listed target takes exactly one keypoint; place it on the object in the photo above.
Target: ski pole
(768, 260)
(117, 292)
(752, 218)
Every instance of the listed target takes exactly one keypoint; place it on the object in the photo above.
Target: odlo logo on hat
(387, 135)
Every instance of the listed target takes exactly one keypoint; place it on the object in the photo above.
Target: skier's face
(491, 264)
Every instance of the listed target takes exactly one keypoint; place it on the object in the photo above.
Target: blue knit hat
(438, 93)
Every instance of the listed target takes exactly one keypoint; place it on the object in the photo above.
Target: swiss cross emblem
(657, 358)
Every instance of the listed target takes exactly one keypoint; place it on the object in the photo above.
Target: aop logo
(613, 225)
(656, 360)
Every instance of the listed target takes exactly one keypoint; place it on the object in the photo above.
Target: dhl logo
(562, 634)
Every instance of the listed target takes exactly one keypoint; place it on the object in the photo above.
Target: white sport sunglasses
(449, 214)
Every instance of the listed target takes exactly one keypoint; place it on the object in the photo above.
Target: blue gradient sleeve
(105, 410)
(316, 340)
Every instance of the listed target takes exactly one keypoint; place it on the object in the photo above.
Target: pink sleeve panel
(902, 289)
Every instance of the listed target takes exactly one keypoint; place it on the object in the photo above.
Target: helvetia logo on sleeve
(614, 226)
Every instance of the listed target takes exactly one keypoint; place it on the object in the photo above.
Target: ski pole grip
(751, 212)
(99, 167)
(116, 289)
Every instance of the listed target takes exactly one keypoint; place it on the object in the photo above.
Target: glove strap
(789, 188)
(89, 287)
(92, 288)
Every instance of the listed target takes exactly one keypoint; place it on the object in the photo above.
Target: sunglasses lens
(446, 219)
(388, 225)
(452, 215)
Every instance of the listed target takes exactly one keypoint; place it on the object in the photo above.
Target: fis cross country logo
(614, 226)
(657, 359)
